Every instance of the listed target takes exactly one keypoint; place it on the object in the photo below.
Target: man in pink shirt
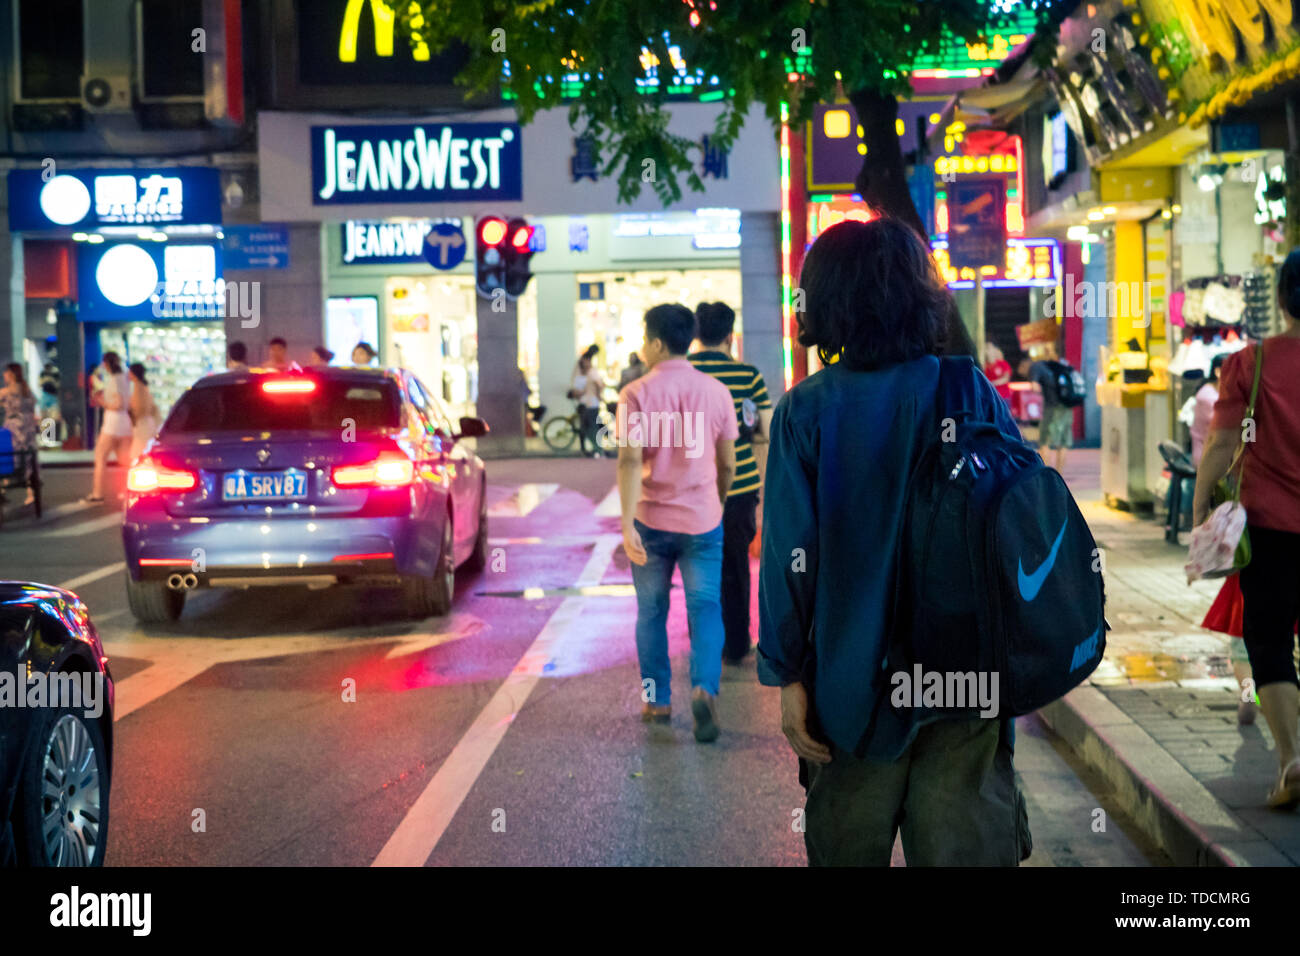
(676, 459)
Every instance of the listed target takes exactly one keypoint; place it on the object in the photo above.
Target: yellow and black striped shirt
(743, 381)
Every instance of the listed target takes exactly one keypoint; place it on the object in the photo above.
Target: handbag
(1225, 532)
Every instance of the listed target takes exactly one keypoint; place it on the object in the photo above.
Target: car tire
(65, 771)
(153, 602)
(478, 559)
(432, 596)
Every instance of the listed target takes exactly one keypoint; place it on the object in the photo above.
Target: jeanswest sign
(371, 243)
(429, 162)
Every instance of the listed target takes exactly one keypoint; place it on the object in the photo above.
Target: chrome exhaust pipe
(191, 581)
(175, 582)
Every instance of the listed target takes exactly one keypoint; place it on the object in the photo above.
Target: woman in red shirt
(997, 370)
(1270, 493)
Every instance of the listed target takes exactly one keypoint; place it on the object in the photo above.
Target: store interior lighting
(1209, 176)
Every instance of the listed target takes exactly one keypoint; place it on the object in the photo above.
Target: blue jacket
(843, 446)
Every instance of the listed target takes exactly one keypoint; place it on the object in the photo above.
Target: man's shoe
(705, 714)
(656, 713)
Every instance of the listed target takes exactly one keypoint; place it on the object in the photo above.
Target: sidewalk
(1159, 716)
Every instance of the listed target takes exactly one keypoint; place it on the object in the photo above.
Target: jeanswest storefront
(379, 189)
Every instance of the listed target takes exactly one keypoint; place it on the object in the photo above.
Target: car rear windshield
(247, 407)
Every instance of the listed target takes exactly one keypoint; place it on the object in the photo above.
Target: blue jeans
(700, 558)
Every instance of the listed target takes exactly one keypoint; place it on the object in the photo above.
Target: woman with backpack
(1264, 452)
(842, 450)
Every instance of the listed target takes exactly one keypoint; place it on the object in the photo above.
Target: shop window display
(612, 305)
(175, 355)
(432, 329)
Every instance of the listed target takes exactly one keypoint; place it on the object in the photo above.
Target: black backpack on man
(998, 572)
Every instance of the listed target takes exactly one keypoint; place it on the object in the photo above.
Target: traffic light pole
(501, 399)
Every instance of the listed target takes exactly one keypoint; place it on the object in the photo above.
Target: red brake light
(149, 476)
(390, 470)
(288, 386)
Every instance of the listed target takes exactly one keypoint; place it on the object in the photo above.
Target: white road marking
(89, 577)
(87, 527)
(424, 824)
(523, 501)
(179, 660)
(463, 625)
(610, 506)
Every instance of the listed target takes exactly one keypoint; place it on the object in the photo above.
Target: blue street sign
(265, 246)
(444, 246)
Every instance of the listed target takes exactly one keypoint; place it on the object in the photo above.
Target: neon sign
(383, 19)
(427, 162)
(88, 198)
(1028, 262)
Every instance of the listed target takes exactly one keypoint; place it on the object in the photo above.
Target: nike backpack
(998, 572)
(1071, 390)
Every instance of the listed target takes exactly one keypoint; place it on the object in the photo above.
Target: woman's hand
(794, 724)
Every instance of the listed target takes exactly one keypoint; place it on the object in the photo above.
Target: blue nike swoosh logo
(1031, 584)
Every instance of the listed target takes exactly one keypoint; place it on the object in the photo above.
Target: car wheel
(153, 602)
(477, 561)
(432, 596)
(61, 809)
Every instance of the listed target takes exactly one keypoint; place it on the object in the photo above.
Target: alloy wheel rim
(70, 795)
(448, 558)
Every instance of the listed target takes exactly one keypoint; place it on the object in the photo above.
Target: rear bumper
(244, 552)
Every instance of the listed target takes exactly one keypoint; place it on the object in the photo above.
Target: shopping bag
(1225, 613)
(1213, 549)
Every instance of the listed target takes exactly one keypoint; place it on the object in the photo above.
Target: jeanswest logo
(1084, 651)
(415, 163)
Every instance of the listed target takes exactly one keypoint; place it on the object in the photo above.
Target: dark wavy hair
(1288, 283)
(872, 296)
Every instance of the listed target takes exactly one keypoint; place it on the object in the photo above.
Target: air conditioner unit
(106, 94)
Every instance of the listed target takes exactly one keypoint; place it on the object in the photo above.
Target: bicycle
(561, 431)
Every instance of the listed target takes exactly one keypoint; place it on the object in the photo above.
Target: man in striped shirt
(715, 325)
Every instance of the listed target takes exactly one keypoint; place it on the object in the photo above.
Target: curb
(1171, 806)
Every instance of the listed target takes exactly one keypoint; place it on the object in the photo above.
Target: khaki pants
(952, 793)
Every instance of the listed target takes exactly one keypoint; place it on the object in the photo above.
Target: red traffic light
(492, 231)
(522, 237)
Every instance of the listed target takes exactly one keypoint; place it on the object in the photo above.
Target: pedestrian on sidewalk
(715, 327)
(635, 369)
(676, 462)
(1056, 429)
(1269, 481)
(18, 416)
(844, 443)
(585, 389)
(115, 432)
(145, 418)
(237, 357)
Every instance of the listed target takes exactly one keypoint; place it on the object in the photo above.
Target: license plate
(264, 485)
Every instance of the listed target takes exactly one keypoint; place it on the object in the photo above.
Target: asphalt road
(505, 733)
